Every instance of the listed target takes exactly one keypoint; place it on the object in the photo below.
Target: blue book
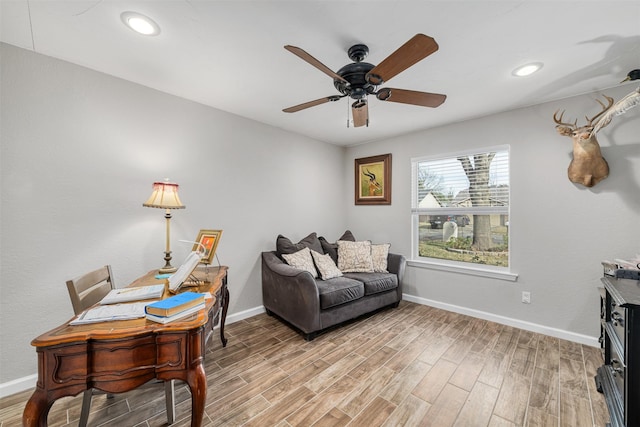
(183, 314)
(175, 304)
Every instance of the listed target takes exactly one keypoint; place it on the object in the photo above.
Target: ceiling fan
(360, 79)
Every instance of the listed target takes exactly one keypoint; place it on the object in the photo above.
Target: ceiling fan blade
(413, 51)
(311, 103)
(423, 99)
(360, 112)
(313, 61)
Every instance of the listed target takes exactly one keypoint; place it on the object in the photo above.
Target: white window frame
(496, 272)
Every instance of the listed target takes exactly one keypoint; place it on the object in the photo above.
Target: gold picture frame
(209, 239)
(373, 180)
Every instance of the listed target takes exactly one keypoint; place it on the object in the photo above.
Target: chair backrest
(88, 289)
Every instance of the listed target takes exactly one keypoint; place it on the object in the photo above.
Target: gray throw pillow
(285, 246)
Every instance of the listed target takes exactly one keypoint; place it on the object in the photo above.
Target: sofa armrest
(290, 293)
(280, 267)
(396, 264)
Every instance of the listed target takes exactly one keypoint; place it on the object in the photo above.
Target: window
(460, 209)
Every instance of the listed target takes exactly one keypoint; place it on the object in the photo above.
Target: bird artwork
(632, 75)
(622, 106)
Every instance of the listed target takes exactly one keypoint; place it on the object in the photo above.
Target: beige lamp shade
(164, 196)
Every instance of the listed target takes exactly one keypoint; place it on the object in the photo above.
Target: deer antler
(559, 121)
(604, 109)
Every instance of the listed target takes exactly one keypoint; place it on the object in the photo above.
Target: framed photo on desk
(209, 239)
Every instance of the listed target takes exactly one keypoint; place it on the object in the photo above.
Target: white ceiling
(230, 55)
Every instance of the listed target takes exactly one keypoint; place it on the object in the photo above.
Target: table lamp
(165, 196)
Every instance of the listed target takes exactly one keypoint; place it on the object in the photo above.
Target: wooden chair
(85, 291)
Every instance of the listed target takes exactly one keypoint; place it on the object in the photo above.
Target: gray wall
(559, 232)
(79, 152)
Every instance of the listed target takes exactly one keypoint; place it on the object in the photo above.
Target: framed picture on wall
(373, 180)
(209, 239)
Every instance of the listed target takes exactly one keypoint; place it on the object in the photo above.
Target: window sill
(473, 271)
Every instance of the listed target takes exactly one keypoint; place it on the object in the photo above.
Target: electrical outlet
(526, 297)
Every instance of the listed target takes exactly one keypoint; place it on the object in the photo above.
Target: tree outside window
(461, 208)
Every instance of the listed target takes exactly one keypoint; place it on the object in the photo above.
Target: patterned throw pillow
(326, 266)
(355, 257)
(332, 248)
(301, 260)
(379, 255)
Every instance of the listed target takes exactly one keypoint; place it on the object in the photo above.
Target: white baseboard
(18, 385)
(25, 383)
(528, 326)
(236, 317)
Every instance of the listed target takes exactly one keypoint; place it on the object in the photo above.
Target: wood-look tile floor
(411, 366)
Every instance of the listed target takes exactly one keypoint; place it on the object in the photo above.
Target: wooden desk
(119, 356)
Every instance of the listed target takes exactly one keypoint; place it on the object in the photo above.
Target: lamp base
(168, 268)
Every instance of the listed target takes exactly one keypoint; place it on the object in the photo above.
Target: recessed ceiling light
(140, 24)
(527, 70)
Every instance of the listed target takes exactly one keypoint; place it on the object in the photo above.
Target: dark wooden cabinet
(619, 377)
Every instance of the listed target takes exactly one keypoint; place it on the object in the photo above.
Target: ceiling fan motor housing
(355, 73)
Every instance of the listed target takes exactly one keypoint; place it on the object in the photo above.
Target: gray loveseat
(311, 304)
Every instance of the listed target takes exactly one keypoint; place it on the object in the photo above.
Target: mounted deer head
(587, 167)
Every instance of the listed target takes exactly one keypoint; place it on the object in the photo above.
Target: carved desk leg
(197, 381)
(37, 409)
(225, 306)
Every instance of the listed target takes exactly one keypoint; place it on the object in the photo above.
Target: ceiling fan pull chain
(348, 111)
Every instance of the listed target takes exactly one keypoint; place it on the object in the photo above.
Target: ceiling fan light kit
(360, 112)
(360, 79)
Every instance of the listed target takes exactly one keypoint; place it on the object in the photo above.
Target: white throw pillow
(379, 255)
(355, 257)
(326, 266)
(301, 260)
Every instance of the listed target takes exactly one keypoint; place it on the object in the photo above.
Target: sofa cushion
(354, 256)
(379, 254)
(339, 290)
(375, 282)
(325, 265)
(332, 248)
(301, 260)
(284, 245)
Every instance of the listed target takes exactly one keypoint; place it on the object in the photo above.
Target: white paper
(139, 293)
(189, 264)
(105, 313)
(632, 264)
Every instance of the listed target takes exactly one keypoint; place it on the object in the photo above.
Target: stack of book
(623, 269)
(175, 307)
